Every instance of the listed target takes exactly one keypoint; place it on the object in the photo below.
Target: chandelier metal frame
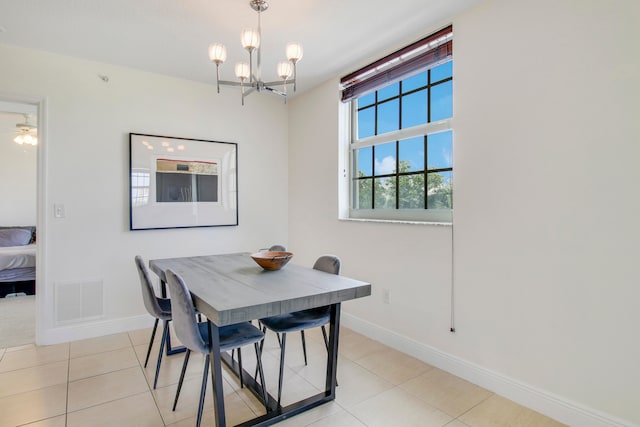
(250, 79)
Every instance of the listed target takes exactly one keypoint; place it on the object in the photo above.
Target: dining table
(232, 288)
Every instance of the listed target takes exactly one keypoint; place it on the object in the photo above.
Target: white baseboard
(93, 329)
(546, 403)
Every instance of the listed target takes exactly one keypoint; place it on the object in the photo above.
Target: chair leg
(326, 344)
(165, 333)
(304, 347)
(203, 390)
(282, 346)
(233, 349)
(184, 369)
(240, 367)
(153, 336)
(261, 371)
(264, 331)
(326, 339)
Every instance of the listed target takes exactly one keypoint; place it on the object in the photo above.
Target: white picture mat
(147, 213)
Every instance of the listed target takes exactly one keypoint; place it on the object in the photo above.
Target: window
(401, 139)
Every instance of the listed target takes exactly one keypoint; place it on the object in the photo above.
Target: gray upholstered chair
(195, 336)
(160, 308)
(300, 320)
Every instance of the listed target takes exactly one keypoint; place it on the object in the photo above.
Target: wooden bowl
(272, 260)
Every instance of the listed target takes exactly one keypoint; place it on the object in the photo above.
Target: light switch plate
(58, 210)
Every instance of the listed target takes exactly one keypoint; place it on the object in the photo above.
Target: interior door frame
(44, 294)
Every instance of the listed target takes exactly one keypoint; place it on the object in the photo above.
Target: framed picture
(180, 182)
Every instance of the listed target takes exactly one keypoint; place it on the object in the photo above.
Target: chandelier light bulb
(250, 39)
(217, 53)
(242, 70)
(250, 73)
(18, 140)
(285, 69)
(294, 52)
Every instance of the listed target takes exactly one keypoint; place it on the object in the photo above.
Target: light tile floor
(101, 382)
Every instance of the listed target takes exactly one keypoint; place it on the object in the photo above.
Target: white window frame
(352, 143)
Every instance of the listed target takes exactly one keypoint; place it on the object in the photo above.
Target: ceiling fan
(27, 133)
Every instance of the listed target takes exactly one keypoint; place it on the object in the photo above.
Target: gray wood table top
(232, 288)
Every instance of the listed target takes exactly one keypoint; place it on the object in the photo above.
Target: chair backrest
(148, 294)
(184, 314)
(278, 248)
(328, 264)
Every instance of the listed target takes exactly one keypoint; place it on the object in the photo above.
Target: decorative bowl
(272, 260)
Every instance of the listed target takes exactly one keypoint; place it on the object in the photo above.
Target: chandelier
(26, 133)
(250, 79)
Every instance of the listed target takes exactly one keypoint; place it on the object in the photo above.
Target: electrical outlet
(386, 297)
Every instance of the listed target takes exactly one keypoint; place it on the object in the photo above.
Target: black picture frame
(181, 182)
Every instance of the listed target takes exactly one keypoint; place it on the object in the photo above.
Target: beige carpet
(17, 321)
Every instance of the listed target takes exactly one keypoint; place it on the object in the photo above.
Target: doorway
(18, 222)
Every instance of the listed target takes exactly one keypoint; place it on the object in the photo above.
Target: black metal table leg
(173, 350)
(277, 413)
(216, 375)
(332, 363)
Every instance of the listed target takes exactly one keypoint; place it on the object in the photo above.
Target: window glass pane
(441, 101)
(414, 109)
(411, 154)
(385, 159)
(411, 191)
(441, 72)
(439, 190)
(388, 92)
(419, 80)
(366, 122)
(366, 100)
(388, 116)
(363, 163)
(363, 194)
(440, 150)
(385, 193)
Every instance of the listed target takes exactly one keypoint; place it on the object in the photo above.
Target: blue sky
(414, 112)
(412, 150)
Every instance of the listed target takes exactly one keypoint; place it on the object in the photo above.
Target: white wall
(87, 125)
(546, 211)
(17, 175)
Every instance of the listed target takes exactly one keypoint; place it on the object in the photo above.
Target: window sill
(398, 221)
(403, 216)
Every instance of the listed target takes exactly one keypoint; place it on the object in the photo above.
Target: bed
(17, 260)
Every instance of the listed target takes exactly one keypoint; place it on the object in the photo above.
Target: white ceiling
(171, 36)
